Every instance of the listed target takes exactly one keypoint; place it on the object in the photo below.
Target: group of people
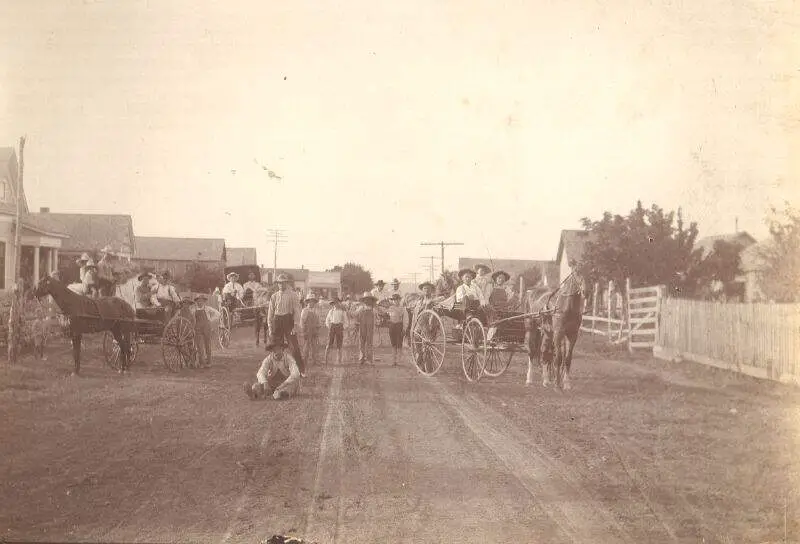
(280, 372)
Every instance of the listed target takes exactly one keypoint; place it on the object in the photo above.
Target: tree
(200, 278)
(781, 256)
(533, 276)
(355, 278)
(649, 246)
(713, 276)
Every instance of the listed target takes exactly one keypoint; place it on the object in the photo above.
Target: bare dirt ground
(639, 451)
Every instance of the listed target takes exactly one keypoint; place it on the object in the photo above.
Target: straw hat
(428, 284)
(311, 296)
(83, 258)
(282, 278)
(232, 276)
(500, 273)
(464, 271)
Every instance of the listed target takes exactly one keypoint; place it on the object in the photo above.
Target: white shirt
(471, 290)
(381, 295)
(167, 292)
(336, 316)
(234, 289)
(252, 285)
(286, 365)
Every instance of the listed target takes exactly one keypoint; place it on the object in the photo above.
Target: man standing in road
(283, 313)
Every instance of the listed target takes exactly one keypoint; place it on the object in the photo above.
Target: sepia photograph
(436, 271)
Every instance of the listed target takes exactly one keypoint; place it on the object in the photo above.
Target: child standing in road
(397, 319)
(336, 321)
(365, 316)
(309, 329)
(203, 315)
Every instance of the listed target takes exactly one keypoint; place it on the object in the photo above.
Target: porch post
(55, 259)
(48, 260)
(35, 265)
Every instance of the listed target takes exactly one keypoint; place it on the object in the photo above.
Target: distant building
(299, 276)
(325, 284)
(178, 254)
(515, 268)
(39, 243)
(739, 239)
(88, 233)
(240, 256)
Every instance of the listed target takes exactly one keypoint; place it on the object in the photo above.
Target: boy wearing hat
(397, 321)
(278, 375)
(365, 317)
(282, 314)
(379, 293)
(309, 329)
(502, 296)
(336, 321)
(203, 315)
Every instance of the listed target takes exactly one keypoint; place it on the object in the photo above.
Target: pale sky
(496, 124)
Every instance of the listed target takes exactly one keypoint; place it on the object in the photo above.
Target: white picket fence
(631, 317)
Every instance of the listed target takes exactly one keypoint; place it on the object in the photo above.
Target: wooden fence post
(608, 309)
(627, 316)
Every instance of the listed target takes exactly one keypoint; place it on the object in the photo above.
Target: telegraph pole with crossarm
(441, 244)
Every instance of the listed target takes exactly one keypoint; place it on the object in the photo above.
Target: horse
(91, 315)
(553, 336)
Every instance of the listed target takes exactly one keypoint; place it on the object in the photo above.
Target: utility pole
(441, 244)
(14, 321)
(277, 236)
(430, 267)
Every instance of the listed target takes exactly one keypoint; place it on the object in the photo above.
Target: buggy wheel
(497, 361)
(473, 350)
(177, 344)
(224, 328)
(111, 350)
(428, 342)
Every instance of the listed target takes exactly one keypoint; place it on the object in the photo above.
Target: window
(5, 191)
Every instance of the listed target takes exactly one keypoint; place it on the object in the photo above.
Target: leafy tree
(781, 257)
(447, 282)
(649, 246)
(533, 277)
(200, 278)
(712, 276)
(355, 278)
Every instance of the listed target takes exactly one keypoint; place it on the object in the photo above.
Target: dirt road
(639, 451)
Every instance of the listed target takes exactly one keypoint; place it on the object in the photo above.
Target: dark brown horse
(91, 315)
(553, 335)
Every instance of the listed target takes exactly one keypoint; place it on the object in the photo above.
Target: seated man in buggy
(147, 305)
(232, 293)
(250, 288)
(166, 294)
(469, 297)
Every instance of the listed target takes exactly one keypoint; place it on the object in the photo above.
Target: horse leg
(559, 358)
(570, 341)
(76, 352)
(533, 341)
(123, 341)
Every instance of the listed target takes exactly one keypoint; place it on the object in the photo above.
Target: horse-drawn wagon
(124, 327)
(252, 308)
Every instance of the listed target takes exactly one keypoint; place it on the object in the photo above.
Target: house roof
(741, 239)
(31, 223)
(158, 248)
(574, 243)
(238, 256)
(87, 232)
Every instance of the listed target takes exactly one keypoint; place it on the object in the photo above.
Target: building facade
(177, 255)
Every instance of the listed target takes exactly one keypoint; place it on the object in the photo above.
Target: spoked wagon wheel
(111, 350)
(473, 350)
(497, 361)
(177, 344)
(428, 342)
(224, 328)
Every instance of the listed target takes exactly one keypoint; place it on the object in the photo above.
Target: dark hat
(200, 297)
(396, 296)
(380, 282)
(282, 278)
(481, 266)
(166, 274)
(368, 296)
(395, 282)
(274, 343)
(500, 273)
(464, 271)
(427, 283)
(335, 299)
(144, 275)
(311, 296)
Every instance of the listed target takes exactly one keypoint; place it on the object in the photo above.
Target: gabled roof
(238, 256)
(179, 249)
(87, 231)
(741, 239)
(574, 242)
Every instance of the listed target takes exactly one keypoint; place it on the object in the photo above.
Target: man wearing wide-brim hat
(379, 292)
(278, 376)
(502, 296)
(365, 317)
(470, 294)
(203, 317)
(282, 315)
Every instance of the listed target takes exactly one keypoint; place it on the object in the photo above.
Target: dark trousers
(261, 323)
(202, 342)
(283, 331)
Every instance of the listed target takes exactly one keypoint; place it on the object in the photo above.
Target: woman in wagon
(232, 292)
(146, 291)
(278, 376)
(249, 289)
(471, 295)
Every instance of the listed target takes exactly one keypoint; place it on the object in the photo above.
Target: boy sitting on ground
(278, 376)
